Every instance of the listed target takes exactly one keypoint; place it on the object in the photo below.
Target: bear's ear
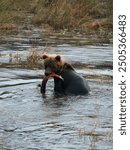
(44, 56)
(58, 58)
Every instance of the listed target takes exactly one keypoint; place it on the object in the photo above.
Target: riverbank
(77, 17)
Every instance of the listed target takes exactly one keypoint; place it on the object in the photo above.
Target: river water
(29, 121)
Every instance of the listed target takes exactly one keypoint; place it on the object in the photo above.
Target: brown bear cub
(66, 80)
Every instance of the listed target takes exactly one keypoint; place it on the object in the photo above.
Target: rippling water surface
(29, 121)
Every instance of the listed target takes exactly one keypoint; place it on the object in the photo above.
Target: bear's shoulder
(68, 66)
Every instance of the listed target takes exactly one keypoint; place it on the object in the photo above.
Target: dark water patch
(104, 65)
(101, 65)
(10, 129)
(7, 85)
(7, 95)
(107, 126)
(22, 65)
(5, 92)
(101, 77)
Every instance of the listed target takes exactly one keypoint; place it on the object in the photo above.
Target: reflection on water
(29, 121)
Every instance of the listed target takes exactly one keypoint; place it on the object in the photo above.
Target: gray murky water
(30, 122)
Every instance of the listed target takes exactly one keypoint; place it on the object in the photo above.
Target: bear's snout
(48, 71)
(47, 74)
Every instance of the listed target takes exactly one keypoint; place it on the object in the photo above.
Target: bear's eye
(50, 65)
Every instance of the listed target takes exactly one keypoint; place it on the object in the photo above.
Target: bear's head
(55, 64)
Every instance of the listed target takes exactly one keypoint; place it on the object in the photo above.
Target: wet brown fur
(56, 62)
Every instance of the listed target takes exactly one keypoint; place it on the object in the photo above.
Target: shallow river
(29, 121)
